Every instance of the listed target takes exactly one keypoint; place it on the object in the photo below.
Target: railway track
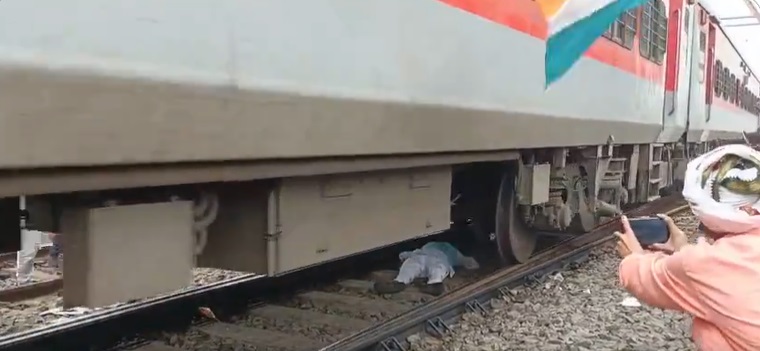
(43, 283)
(343, 315)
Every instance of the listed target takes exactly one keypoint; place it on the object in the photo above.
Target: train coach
(270, 136)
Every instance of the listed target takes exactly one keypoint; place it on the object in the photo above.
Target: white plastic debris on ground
(69, 314)
(31, 243)
(630, 302)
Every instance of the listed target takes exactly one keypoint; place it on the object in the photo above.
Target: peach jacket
(718, 284)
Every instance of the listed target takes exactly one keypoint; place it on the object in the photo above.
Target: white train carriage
(724, 94)
(271, 136)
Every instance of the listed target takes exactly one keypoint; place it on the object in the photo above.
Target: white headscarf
(724, 216)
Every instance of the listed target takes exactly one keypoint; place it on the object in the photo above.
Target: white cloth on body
(434, 261)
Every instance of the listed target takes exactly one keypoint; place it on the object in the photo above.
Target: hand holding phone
(650, 230)
(678, 239)
(628, 243)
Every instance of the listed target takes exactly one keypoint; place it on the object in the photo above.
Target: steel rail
(176, 312)
(433, 317)
(106, 330)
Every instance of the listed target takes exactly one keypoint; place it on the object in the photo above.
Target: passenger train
(270, 136)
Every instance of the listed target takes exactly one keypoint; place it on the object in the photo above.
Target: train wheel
(514, 240)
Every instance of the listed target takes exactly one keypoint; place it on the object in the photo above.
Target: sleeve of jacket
(660, 280)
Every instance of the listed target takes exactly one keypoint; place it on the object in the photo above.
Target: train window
(726, 79)
(746, 98)
(702, 41)
(732, 83)
(718, 75)
(750, 99)
(686, 19)
(646, 31)
(623, 30)
(628, 27)
(654, 29)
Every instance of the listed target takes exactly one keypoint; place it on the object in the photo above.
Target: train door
(678, 52)
(699, 79)
(710, 71)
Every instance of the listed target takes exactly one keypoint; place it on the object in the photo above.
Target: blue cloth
(451, 252)
(565, 48)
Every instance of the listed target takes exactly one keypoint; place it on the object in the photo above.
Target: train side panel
(735, 90)
(369, 78)
(230, 80)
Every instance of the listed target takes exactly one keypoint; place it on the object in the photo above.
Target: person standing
(717, 282)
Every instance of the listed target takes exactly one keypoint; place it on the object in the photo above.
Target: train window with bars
(654, 31)
(738, 92)
(623, 30)
(718, 79)
(702, 41)
(750, 101)
(726, 80)
(744, 96)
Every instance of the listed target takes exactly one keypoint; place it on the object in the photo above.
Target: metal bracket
(273, 236)
(475, 307)
(437, 327)
(392, 344)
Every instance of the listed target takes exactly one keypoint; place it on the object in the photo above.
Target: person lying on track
(716, 280)
(434, 261)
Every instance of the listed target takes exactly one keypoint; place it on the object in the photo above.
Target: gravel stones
(205, 276)
(579, 309)
(46, 310)
(42, 272)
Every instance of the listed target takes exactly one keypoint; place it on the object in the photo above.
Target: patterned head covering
(723, 188)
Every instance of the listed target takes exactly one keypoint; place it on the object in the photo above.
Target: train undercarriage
(275, 226)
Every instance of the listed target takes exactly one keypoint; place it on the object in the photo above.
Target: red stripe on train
(524, 16)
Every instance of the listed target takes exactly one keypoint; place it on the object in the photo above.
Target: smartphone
(650, 230)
